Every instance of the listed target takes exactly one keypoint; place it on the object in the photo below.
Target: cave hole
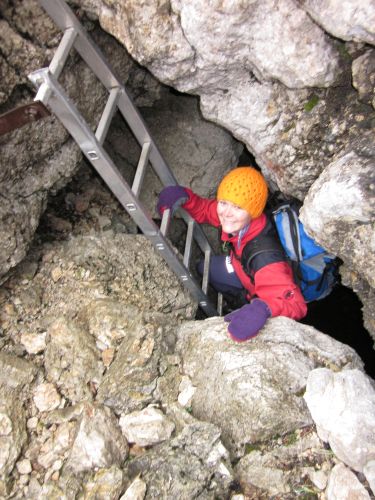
(339, 315)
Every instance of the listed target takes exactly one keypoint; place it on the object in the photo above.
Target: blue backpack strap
(264, 249)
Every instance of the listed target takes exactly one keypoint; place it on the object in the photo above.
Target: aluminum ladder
(51, 94)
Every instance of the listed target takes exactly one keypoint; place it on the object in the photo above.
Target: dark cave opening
(340, 316)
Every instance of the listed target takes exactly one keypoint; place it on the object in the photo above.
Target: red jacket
(274, 282)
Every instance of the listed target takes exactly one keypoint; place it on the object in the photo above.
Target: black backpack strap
(264, 249)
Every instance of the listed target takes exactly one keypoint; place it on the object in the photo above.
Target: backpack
(284, 239)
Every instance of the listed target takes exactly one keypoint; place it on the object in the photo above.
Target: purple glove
(171, 197)
(246, 322)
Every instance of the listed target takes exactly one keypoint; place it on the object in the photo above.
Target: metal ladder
(51, 93)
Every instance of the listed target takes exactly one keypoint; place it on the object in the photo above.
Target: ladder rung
(206, 269)
(220, 304)
(107, 115)
(62, 52)
(189, 243)
(141, 168)
(166, 219)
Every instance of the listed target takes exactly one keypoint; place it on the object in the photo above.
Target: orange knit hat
(246, 188)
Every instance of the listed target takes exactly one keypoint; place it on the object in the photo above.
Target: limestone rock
(109, 321)
(343, 483)
(16, 374)
(13, 436)
(136, 490)
(130, 381)
(130, 268)
(254, 390)
(343, 408)
(72, 361)
(34, 342)
(339, 213)
(146, 427)
(363, 70)
(339, 210)
(354, 20)
(105, 483)
(99, 442)
(195, 459)
(195, 43)
(22, 54)
(46, 398)
(52, 453)
(283, 465)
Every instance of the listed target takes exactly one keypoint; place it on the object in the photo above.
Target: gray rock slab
(343, 407)
(363, 70)
(253, 390)
(72, 360)
(182, 46)
(105, 483)
(354, 20)
(343, 483)
(285, 465)
(146, 427)
(13, 436)
(16, 373)
(194, 464)
(99, 442)
(339, 210)
(130, 381)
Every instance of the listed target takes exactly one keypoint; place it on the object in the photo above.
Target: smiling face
(232, 218)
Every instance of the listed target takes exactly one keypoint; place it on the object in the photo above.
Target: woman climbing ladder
(239, 210)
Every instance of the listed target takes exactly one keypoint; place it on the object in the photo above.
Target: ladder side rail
(65, 18)
(99, 159)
